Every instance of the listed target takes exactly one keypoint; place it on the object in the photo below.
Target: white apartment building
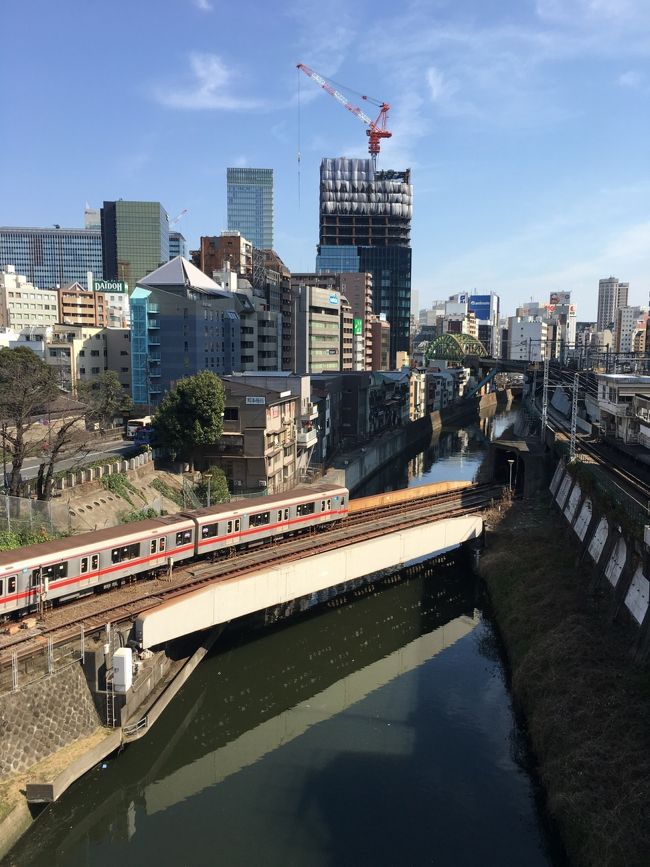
(23, 305)
(630, 329)
(527, 338)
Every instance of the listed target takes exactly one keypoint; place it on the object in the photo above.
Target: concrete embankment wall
(42, 717)
(621, 564)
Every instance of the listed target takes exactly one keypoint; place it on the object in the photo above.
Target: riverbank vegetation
(586, 703)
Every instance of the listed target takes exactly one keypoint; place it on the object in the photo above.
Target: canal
(376, 730)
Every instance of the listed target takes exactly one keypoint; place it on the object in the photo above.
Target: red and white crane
(377, 128)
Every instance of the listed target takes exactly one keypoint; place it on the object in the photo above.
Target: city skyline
(523, 127)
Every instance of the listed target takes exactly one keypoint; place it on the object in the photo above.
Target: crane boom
(377, 128)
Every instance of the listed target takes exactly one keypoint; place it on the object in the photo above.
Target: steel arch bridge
(455, 347)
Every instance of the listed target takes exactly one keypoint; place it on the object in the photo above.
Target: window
(161, 544)
(260, 519)
(126, 552)
(94, 370)
(154, 546)
(305, 509)
(11, 584)
(124, 352)
(53, 572)
(94, 562)
(286, 514)
(231, 413)
(279, 514)
(209, 531)
(184, 537)
(84, 565)
(322, 505)
(94, 353)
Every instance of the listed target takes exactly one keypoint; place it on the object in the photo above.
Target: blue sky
(526, 124)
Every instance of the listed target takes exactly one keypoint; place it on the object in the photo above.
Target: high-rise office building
(135, 239)
(611, 296)
(250, 205)
(52, 257)
(365, 225)
(177, 245)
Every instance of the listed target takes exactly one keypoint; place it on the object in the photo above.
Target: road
(102, 450)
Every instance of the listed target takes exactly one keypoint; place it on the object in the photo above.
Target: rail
(125, 603)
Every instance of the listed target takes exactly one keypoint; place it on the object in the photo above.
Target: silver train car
(71, 567)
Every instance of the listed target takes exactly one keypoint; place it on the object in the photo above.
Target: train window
(209, 531)
(305, 509)
(161, 543)
(11, 584)
(322, 505)
(54, 571)
(286, 514)
(35, 580)
(329, 505)
(236, 525)
(84, 565)
(126, 552)
(153, 546)
(94, 562)
(183, 537)
(2, 587)
(279, 514)
(260, 519)
(229, 530)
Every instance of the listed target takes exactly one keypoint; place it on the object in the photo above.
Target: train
(63, 569)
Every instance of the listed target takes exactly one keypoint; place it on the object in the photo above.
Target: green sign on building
(357, 326)
(111, 286)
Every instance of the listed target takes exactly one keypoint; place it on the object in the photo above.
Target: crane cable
(299, 130)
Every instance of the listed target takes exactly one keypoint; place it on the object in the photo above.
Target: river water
(376, 731)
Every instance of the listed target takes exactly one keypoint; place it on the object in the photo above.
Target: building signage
(560, 298)
(357, 326)
(255, 401)
(110, 286)
(334, 299)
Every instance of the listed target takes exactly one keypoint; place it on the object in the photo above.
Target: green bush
(120, 485)
(138, 515)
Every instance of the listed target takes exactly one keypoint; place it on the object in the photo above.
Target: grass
(119, 484)
(587, 705)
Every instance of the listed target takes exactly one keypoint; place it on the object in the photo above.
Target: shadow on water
(374, 732)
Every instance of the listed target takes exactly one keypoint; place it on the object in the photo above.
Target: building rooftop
(181, 272)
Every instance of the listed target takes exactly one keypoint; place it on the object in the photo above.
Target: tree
(105, 398)
(213, 487)
(27, 385)
(191, 414)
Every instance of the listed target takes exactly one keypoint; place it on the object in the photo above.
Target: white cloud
(631, 79)
(203, 5)
(212, 86)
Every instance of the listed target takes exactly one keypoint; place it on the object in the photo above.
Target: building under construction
(365, 225)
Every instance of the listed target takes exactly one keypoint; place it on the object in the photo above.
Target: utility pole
(544, 401)
(574, 419)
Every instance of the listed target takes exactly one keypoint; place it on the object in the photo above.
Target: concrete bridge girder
(227, 600)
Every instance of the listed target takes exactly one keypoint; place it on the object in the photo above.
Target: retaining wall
(39, 719)
(621, 564)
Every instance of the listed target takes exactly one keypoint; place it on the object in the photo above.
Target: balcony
(155, 389)
(310, 413)
(307, 438)
(153, 324)
(154, 372)
(153, 308)
(154, 341)
(154, 356)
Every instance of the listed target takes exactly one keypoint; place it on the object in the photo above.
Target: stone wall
(43, 717)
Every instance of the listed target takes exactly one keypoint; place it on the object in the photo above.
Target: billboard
(481, 307)
(560, 298)
(357, 326)
(110, 286)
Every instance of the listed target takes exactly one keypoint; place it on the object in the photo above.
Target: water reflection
(372, 733)
(453, 454)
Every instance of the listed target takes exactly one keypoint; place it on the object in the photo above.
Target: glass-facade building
(365, 225)
(177, 245)
(52, 257)
(135, 239)
(250, 205)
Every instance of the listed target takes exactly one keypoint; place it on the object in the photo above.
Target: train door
(38, 591)
(88, 570)
(8, 587)
(157, 548)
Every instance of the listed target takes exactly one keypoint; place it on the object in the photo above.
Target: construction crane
(377, 128)
(178, 217)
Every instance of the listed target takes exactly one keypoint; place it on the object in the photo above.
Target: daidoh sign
(110, 286)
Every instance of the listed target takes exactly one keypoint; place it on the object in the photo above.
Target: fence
(15, 674)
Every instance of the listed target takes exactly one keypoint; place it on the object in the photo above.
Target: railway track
(63, 623)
